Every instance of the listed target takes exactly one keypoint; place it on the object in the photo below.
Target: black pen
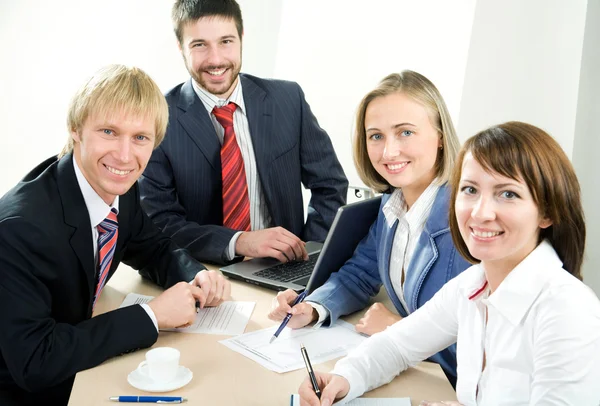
(311, 373)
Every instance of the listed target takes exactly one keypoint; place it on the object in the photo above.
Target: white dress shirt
(410, 226)
(98, 210)
(259, 214)
(541, 339)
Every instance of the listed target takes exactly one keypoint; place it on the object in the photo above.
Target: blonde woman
(405, 147)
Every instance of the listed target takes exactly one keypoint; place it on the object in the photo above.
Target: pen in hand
(311, 373)
(287, 318)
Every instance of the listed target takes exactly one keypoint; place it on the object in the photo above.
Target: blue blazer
(181, 187)
(435, 261)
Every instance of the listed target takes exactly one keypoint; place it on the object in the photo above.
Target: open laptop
(350, 226)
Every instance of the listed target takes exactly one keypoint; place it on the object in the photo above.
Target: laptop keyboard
(290, 271)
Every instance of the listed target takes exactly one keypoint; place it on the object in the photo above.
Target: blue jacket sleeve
(349, 289)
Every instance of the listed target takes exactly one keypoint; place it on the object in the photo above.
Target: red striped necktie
(236, 205)
(108, 232)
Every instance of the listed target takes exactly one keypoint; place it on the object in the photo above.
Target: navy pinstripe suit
(181, 187)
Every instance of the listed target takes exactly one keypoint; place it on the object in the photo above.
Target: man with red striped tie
(65, 228)
(228, 181)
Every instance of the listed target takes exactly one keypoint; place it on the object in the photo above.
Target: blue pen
(287, 318)
(148, 399)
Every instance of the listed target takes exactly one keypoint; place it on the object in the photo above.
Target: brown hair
(118, 88)
(419, 88)
(522, 151)
(189, 11)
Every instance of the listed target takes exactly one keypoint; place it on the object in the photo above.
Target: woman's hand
(376, 319)
(333, 387)
(303, 313)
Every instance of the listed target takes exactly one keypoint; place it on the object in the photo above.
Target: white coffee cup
(161, 364)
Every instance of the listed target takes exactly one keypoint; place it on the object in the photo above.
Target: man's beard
(220, 88)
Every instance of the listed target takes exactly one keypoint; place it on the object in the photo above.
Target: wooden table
(222, 376)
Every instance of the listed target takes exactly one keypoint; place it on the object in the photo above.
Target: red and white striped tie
(236, 204)
(108, 232)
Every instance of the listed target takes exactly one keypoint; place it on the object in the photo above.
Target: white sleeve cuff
(357, 386)
(150, 314)
(322, 311)
(230, 253)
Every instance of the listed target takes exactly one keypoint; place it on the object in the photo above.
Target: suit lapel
(76, 215)
(196, 122)
(259, 109)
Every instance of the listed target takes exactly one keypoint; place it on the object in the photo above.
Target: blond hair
(117, 88)
(419, 88)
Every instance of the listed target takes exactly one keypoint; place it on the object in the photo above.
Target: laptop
(350, 226)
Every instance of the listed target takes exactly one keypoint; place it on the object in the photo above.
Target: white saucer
(141, 381)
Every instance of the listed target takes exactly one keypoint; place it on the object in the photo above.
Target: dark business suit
(181, 187)
(47, 280)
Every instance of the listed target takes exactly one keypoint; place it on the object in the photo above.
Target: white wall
(587, 142)
(337, 60)
(523, 64)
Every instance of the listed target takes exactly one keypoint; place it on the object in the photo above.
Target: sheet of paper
(283, 355)
(295, 401)
(229, 318)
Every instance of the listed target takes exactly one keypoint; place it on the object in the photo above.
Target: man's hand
(332, 387)
(176, 306)
(215, 286)
(303, 313)
(276, 242)
(376, 319)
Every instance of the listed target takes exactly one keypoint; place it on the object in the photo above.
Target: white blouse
(411, 223)
(541, 340)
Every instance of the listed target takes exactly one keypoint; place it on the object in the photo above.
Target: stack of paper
(283, 355)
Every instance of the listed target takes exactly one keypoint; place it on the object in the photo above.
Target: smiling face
(212, 51)
(402, 144)
(497, 216)
(112, 152)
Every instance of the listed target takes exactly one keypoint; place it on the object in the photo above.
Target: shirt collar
(395, 208)
(517, 292)
(97, 208)
(210, 100)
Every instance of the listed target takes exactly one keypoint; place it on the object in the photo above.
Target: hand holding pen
(332, 388)
(287, 318)
(285, 302)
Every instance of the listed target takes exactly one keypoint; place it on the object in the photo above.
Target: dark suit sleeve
(39, 351)
(322, 174)
(207, 243)
(153, 253)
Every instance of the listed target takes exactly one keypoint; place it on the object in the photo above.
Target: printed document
(228, 318)
(283, 355)
(295, 401)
